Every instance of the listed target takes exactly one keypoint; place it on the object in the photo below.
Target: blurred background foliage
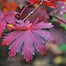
(55, 56)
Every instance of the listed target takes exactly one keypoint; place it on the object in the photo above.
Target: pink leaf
(6, 17)
(27, 36)
(2, 27)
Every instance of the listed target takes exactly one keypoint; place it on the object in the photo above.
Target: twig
(33, 10)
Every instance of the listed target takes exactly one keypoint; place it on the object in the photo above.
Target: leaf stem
(33, 11)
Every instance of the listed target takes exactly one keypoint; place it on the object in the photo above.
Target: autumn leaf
(11, 6)
(6, 17)
(8, 6)
(27, 37)
(46, 3)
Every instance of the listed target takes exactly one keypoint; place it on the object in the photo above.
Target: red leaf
(46, 3)
(26, 37)
(50, 4)
(6, 17)
(2, 27)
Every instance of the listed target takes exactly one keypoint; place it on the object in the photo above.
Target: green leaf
(63, 47)
(63, 25)
(64, 16)
(54, 17)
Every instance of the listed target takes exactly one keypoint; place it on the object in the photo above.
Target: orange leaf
(64, 0)
(11, 6)
(8, 6)
(3, 1)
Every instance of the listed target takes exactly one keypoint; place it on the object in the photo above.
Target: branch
(33, 10)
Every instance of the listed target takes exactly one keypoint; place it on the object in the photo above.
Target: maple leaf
(27, 37)
(6, 17)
